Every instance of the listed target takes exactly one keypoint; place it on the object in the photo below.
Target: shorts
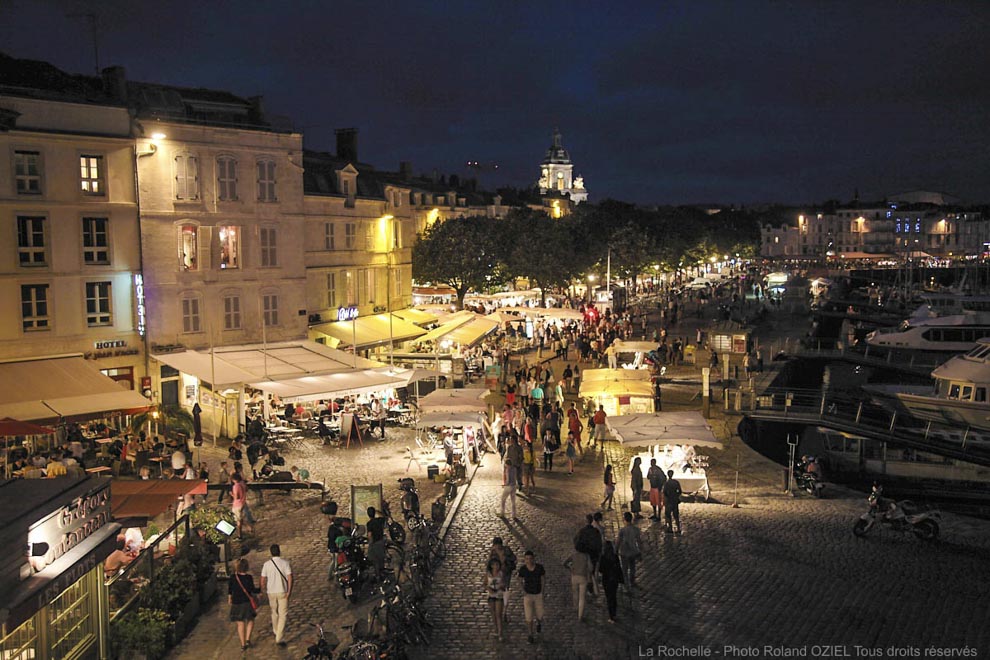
(533, 606)
(600, 431)
(510, 398)
(244, 513)
(656, 497)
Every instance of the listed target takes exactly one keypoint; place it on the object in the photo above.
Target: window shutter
(192, 171)
(204, 244)
(180, 177)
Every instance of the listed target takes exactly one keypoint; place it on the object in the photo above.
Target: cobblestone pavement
(295, 522)
(777, 571)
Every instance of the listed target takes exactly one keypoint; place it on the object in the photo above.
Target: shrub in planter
(145, 631)
(171, 589)
(206, 518)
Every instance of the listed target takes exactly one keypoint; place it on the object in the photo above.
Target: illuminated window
(91, 174)
(98, 304)
(232, 312)
(230, 247)
(96, 241)
(188, 247)
(190, 314)
(396, 235)
(31, 241)
(269, 246)
(71, 624)
(350, 235)
(266, 181)
(269, 303)
(396, 282)
(34, 307)
(369, 235)
(917, 227)
(329, 240)
(27, 172)
(362, 286)
(186, 177)
(226, 179)
(349, 287)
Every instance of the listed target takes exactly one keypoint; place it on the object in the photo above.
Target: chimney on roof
(256, 110)
(347, 144)
(405, 170)
(115, 83)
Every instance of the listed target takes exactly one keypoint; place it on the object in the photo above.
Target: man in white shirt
(276, 581)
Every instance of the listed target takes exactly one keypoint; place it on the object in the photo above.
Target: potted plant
(141, 634)
(206, 518)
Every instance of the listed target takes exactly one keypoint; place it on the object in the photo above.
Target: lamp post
(591, 283)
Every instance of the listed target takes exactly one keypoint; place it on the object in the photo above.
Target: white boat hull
(947, 411)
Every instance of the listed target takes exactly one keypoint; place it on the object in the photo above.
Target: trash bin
(432, 471)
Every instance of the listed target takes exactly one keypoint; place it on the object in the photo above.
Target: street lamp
(591, 281)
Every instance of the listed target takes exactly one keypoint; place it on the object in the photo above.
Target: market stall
(633, 353)
(618, 391)
(672, 439)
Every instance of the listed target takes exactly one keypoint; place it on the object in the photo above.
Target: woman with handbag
(243, 604)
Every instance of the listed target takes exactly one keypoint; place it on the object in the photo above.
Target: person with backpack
(589, 541)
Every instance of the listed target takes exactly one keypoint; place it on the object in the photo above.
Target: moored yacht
(957, 333)
(960, 396)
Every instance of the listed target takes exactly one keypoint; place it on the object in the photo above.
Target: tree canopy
(466, 254)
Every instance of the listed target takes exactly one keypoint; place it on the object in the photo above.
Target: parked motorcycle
(807, 476)
(903, 516)
(410, 497)
(353, 566)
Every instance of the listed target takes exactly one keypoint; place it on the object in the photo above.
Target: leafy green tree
(463, 253)
(547, 252)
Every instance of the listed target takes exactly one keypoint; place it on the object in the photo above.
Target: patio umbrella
(647, 429)
(12, 427)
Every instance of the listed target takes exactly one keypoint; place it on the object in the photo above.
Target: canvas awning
(147, 499)
(368, 331)
(417, 316)
(472, 332)
(234, 365)
(448, 325)
(634, 346)
(616, 388)
(452, 419)
(682, 428)
(604, 375)
(329, 385)
(408, 376)
(470, 400)
(50, 388)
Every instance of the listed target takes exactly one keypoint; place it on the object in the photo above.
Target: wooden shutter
(204, 245)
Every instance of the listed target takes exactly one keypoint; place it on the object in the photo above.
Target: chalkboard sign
(350, 428)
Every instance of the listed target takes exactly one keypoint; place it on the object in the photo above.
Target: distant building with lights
(893, 228)
(557, 173)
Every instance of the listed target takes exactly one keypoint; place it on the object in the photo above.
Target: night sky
(658, 102)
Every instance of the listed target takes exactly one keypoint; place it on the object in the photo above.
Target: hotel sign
(141, 309)
(347, 313)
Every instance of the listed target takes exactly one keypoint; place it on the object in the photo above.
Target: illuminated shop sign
(139, 295)
(63, 530)
(347, 313)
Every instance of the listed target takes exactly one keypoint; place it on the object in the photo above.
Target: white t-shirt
(275, 583)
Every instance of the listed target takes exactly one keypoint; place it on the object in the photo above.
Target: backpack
(510, 560)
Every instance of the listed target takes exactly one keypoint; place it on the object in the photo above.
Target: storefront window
(71, 625)
(21, 643)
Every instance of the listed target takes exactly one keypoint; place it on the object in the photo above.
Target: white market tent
(467, 400)
(646, 429)
(634, 346)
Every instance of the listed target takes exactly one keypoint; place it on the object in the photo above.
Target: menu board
(361, 498)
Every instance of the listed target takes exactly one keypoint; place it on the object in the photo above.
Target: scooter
(809, 482)
(903, 516)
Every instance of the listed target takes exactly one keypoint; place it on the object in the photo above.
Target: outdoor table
(98, 470)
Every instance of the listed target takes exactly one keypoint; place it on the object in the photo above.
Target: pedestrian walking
(494, 585)
(656, 478)
(574, 425)
(629, 549)
(507, 558)
(509, 483)
(611, 572)
(581, 575)
(589, 541)
(239, 506)
(549, 447)
(534, 577)
(529, 468)
(672, 500)
(636, 485)
(571, 452)
(514, 453)
(276, 581)
(568, 375)
(599, 420)
(609, 488)
(223, 478)
(243, 604)
(657, 396)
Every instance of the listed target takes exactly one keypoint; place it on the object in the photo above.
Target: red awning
(12, 427)
(136, 499)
